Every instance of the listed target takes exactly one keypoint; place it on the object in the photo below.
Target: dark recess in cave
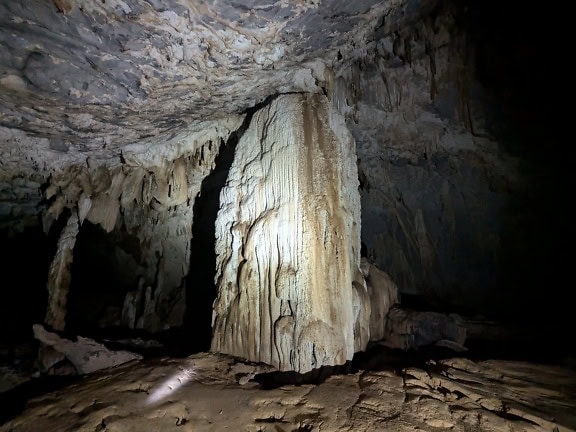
(522, 85)
(511, 62)
(200, 287)
(25, 258)
(200, 284)
(99, 281)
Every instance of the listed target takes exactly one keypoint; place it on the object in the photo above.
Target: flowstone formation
(288, 241)
(148, 196)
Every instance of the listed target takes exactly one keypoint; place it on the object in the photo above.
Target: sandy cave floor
(209, 392)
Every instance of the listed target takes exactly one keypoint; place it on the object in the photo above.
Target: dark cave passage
(25, 258)
(200, 285)
(102, 273)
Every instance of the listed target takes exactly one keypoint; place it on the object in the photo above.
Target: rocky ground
(209, 392)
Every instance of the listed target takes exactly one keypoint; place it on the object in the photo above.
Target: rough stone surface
(287, 240)
(110, 73)
(407, 329)
(94, 77)
(437, 186)
(116, 110)
(85, 354)
(202, 393)
(59, 275)
(147, 196)
(383, 294)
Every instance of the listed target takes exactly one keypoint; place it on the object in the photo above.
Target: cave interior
(290, 194)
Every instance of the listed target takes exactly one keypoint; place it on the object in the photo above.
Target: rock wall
(148, 196)
(288, 241)
(383, 294)
(436, 184)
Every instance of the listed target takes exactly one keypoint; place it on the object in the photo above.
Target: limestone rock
(383, 294)
(407, 329)
(427, 157)
(100, 75)
(59, 275)
(287, 240)
(48, 357)
(85, 354)
(148, 196)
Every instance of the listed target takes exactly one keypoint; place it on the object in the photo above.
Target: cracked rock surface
(211, 392)
(110, 72)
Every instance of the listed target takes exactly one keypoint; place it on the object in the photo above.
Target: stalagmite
(287, 240)
(59, 275)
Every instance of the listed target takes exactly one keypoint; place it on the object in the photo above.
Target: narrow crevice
(200, 286)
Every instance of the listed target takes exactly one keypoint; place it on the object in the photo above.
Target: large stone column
(288, 241)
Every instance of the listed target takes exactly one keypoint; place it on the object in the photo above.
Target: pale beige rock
(383, 294)
(59, 276)
(202, 393)
(85, 354)
(287, 240)
(150, 195)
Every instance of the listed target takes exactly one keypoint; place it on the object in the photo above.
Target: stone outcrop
(383, 294)
(407, 329)
(85, 354)
(59, 276)
(428, 156)
(114, 72)
(287, 240)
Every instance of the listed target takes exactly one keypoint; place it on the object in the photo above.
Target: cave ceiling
(92, 76)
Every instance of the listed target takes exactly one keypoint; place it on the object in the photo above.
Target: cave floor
(209, 392)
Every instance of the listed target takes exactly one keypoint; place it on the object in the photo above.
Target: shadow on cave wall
(200, 285)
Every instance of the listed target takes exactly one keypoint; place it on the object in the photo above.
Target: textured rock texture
(383, 294)
(102, 104)
(407, 329)
(99, 74)
(59, 275)
(437, 187)
(288, 241)
(85, 354)
(80, 78)
(202, 393)
(148, 196)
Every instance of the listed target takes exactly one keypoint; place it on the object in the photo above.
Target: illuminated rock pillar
(59, 275)
(290, 293)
